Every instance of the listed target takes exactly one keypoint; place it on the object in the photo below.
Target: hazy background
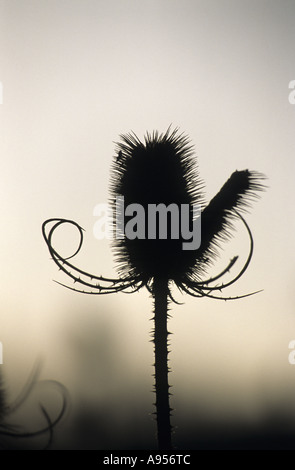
(75, 75)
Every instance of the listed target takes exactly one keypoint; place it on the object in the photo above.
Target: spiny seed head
(160, 170)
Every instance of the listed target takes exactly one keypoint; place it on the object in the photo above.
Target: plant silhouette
(10, 432)
(162, 170)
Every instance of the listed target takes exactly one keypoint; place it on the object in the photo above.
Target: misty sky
(77, 74)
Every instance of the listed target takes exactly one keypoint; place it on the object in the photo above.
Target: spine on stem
(163, 410)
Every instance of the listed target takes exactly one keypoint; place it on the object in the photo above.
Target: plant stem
(163, 409)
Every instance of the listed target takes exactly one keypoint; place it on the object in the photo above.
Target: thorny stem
(160, 291)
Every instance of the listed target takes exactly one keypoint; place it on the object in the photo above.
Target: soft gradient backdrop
(78, 73)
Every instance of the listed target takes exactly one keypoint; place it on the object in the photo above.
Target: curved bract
(11, 431)
(98, 285)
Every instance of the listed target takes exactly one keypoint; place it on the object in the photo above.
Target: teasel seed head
(162, 169)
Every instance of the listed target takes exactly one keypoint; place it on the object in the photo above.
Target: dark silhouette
(162, 170)
(10, 432)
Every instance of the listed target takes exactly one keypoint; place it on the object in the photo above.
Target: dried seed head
(234, 197)
(160, 170)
